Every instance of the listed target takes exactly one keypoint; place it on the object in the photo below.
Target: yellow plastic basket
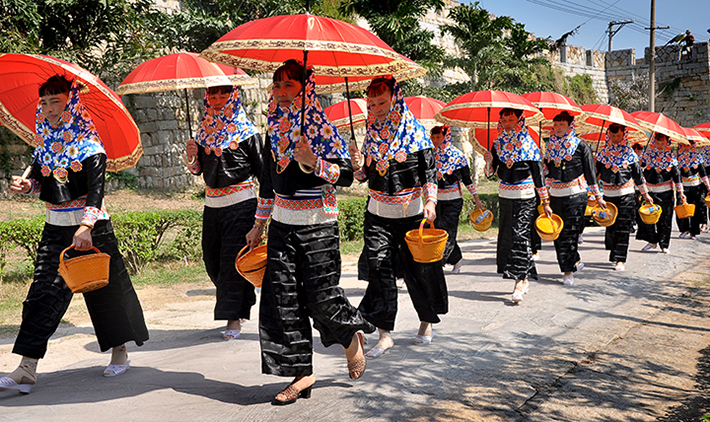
(605, 217)
(685, 210)
(481, 219)
(252, 264)
(85, 273)
(650, 214)
(426, 245)
(549, 228)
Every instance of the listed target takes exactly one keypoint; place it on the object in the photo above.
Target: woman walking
(516, 159)
(228, 155)
(399, 167)
(695, 186)
(620, 174)
(68, 172)
(297, 192)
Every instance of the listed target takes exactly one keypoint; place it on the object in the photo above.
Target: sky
(553, 18)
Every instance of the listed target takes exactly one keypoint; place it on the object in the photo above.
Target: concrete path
(614, 347)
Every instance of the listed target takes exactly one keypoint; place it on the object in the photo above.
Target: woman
(620, 174)
(695, 186)
(228, 157)
(303, 269)
(398, 165)
(451, 170)
(705, 154)
(569, 166)
(516, 159)
(68, 173)
(662, 178)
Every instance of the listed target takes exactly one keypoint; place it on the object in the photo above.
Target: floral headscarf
(705, 153)
(65, 145)
(284, 128)
(617, 156)
(399, 135)
(448, 157)
(226, 128)
(691, 158)
(516, 146)
(659, 160)
(562, 147)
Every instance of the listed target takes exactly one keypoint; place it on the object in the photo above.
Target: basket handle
(61, 255)
(421, 230)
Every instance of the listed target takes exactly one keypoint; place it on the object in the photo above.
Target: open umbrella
(181, 71)
(20, 78)
(659, 122)
(598, 117)
(341, 115)
(424, 108)
(698, 138)
(704, 129)
(551, 104)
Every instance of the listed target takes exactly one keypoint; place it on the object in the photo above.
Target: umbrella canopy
(20, 78)
(180, 71)
(551, 104)
(481, 108)
(704, 129)
(339, 114)
(332, 84)
(335, 48)
(424, 108)
(658, 122)
(698, 138)
(598, 117)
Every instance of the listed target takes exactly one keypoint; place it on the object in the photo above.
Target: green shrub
(489, 200)
(352, 214)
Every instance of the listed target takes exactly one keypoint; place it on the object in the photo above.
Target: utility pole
(652, 61)
(611, 31)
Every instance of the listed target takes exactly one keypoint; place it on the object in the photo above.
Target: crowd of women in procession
(412, 175)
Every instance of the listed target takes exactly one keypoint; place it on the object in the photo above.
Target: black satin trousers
(385, 247)
(616, 236)
(513, 250)
(224, 233)
(301, 282)
(115, 311)
(694, 195)
(659, 233)
(571, 210)
(447, 218)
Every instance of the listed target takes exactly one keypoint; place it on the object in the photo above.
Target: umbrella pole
(187, 112)
(304, 168)
(599, 141)
(350, 113)
(488, 132)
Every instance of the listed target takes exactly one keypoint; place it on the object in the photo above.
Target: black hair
(439, 130)
(615, 127)
(564, 116)
(508, 111)
(55, 85)
(222, 89)
(379, 86)
(291, 69)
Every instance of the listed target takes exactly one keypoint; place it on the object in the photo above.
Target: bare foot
(424, 328)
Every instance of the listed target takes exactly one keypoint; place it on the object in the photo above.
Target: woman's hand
(255, 235)
(602, 203)
(683, 198)
(548, 210)
(191, 150)
(477, 200)
(648, 199)
(488, 157)
(20, 185)
(355, 157)
(303, 154)
(430, 211)
(82, 239)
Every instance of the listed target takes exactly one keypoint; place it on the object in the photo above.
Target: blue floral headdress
(448, 157)
(226, 128)
(517, 145)
(617, 156)
(64, 146)
(562, 147)
(658, 160)
(691, 158)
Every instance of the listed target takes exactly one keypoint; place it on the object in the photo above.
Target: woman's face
(508, 121)
(218, 100)
(684, 147)
(53, 106)
(437, 138)
(380, 105)
(661, 142)
(616, 137)
(560, 128)
(285, 91)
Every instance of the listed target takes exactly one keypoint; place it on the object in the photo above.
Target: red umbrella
(551, 104)
(703, 128)
(181, 71)
(658, 122)
(698, 138)
(20, 78)
(340, 114)
(424, 108)
(598, 117)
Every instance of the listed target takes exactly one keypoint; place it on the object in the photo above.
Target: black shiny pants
(301, 282)
(385, 245)
(447, 218)
(616, 236)
(659, 233)
(571, 210)
(514, 253)
(115, 311)
(694, 195)
(224, 233)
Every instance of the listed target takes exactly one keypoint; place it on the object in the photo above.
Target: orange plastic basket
(426, 245)
(481, 219)
(605, 218)
(252, 265)
(85, 273)
(707, 200)
(549, 228)
(685, 210)
(650, 214)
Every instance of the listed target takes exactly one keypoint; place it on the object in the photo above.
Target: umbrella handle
(27, 172)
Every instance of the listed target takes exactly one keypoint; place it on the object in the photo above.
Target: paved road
(614, 347)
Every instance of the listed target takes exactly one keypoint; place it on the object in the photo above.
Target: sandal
(356, 368)
(232, 334)
(291, 394)
(421, 340)
(7, 383)
(116, 370)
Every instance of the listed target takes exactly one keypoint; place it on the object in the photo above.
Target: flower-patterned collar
(691, 158)
(617, 156)
(516, 145)
(562, 147)
(658, 160)
(226, 128)
(448, 157)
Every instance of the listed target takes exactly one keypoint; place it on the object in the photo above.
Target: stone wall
(574, 60)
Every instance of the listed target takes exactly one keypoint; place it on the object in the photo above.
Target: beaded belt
(618, 190)
(573, 187)
(405, 203)
(693, 180)
(70, 213)
(521, 190)
(229, 195)
(450, 193)
(301, 210)
(662, 187)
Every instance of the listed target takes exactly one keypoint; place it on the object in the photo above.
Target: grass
(169, 274)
